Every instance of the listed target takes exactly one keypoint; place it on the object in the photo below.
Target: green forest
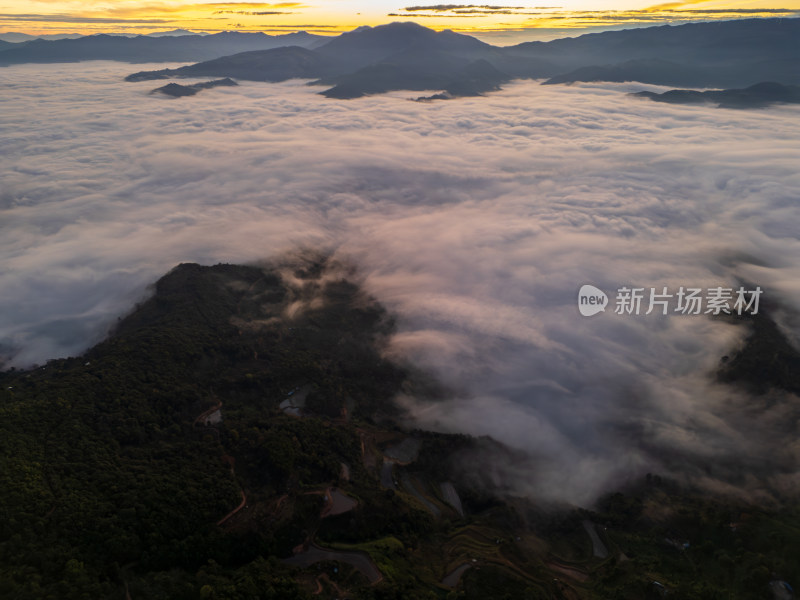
(235, 437)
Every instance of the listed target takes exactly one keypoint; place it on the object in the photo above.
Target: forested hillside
(236, 437)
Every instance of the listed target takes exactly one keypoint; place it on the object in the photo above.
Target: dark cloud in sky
(665, 15)
(417, 15)
(475, 220)
(461, 10)
(449, 7)
(742, 11)
(251, 13)
(67, 18)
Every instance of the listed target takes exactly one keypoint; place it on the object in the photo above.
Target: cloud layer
(475, 220)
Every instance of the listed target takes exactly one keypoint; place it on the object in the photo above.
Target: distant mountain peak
(365, 46)
(174, 32)
(405, 25)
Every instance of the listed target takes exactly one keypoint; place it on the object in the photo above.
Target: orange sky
(534, 20)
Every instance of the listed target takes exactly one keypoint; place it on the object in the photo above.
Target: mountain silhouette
(756, 96)
(277, 64)
(407, 56)
(366, 46)
(176, 90)
(719, 54)
(165, 48)
(398, 56)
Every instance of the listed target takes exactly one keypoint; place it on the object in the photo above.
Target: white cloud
(476, 220)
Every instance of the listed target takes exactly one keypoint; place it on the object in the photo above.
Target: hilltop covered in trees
(236, 437)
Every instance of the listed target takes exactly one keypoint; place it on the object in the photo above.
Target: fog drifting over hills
(475, 220)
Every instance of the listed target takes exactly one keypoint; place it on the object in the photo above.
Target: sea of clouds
(475, 220)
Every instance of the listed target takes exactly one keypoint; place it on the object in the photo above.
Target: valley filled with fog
(474, 220)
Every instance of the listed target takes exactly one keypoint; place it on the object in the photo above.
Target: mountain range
(162, 48)
(407, 56)
(16, 37)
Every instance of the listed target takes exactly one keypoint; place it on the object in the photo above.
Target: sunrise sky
(534, 20)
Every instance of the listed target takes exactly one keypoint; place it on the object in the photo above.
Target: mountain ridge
(143, 48)
(759, 95)
(407, 56)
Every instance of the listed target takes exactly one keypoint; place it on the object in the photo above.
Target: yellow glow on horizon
(333, 17)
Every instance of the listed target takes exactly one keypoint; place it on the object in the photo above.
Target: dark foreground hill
(236, 438)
